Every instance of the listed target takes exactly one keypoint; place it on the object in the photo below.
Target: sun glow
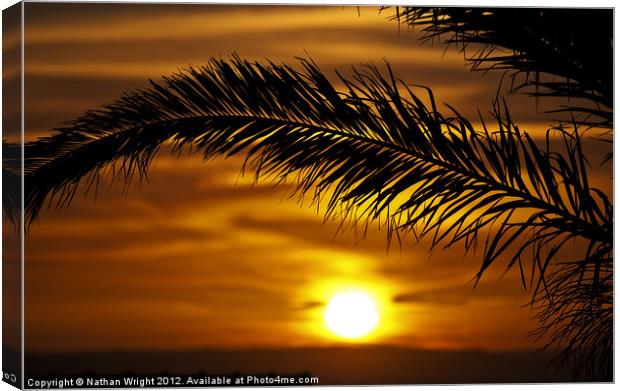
(351, 315)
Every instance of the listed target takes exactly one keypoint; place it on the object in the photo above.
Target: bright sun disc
(351, 315)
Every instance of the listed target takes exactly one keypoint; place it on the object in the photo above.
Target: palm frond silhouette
(575, 46)
(373, 152)
(11, 180)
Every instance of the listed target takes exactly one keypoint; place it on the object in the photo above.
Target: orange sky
(200, 257)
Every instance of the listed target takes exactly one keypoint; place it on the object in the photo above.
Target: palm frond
(576, 315)
(11, 181)
(559, 52)
(376, 150)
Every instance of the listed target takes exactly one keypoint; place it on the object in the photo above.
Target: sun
(351, 315)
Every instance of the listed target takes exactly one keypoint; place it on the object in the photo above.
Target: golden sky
(201, 256)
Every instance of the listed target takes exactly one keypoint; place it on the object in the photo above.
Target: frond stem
(589, 230)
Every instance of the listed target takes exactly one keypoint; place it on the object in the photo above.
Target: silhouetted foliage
(575, 46)
(11, 180)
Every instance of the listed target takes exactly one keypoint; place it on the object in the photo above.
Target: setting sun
(351, 315)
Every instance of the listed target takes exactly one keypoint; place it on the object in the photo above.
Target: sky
(203, 257)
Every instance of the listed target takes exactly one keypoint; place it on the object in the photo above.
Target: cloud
(457, 294)
(308, 305)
